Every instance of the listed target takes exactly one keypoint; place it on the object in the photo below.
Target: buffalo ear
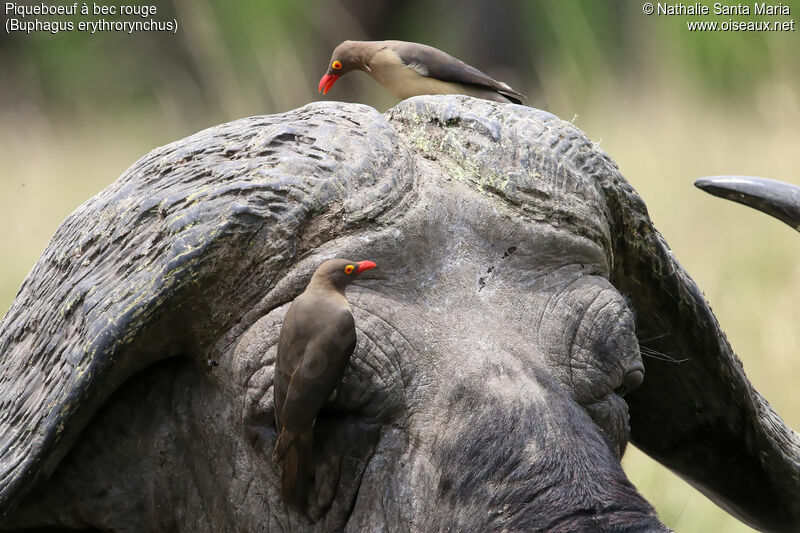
(775, 198)
(696, 411)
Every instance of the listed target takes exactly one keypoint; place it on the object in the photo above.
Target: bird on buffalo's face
(316, 340)
(412, 69)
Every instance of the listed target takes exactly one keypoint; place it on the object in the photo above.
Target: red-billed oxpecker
(412, 69)
(316, 340)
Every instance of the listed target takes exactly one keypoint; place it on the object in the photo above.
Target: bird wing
(318, 370)
(290, 352)
(433, 63)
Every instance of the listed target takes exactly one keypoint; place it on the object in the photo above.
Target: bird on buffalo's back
(412, 69)
(316, 340)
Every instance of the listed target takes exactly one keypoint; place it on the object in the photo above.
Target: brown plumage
(316, 340)
(411, 69)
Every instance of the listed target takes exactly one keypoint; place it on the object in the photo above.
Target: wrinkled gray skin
(495, 340)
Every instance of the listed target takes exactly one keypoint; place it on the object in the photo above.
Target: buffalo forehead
(542, 167)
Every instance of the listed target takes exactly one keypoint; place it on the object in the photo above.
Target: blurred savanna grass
(667, 105)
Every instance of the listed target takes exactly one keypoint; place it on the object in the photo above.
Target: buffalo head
(497, 376)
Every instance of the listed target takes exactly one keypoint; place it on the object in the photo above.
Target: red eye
(349, 269)
(336, 65)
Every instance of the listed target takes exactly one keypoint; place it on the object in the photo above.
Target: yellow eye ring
(336, 65)
(349, 269)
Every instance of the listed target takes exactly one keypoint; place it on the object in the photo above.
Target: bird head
(340, 272)
(346, 57)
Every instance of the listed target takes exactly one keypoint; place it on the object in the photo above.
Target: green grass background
(667, 105)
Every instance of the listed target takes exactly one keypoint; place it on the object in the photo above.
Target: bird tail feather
(296, 471)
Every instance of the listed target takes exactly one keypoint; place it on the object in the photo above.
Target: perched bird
(412, 69)
(316, 340)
